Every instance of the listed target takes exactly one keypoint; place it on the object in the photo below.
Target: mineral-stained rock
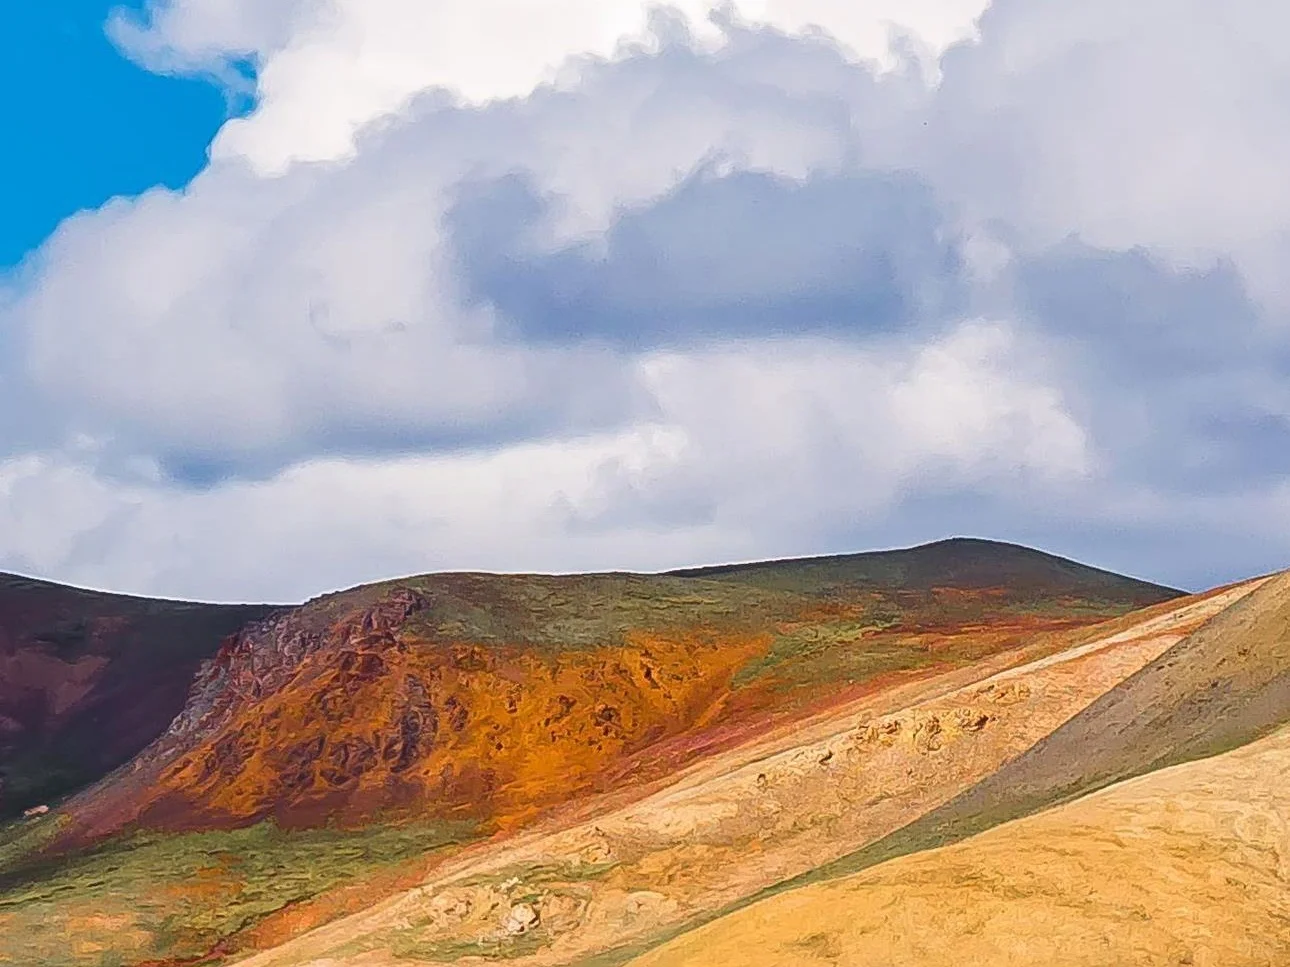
(521, 919)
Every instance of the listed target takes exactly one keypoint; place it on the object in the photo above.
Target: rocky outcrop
(334, 713)
(264, 656)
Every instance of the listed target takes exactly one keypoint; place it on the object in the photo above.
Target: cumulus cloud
(383, 305)
(801, 435)
(227, 323)
(1158, 123)
(737, 254)
(1184, 376)
(724, 290)
(327, 67)
(740, 435)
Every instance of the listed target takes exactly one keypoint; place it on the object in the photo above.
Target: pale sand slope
(1224, 686)
(744, 820)
(1186, 866)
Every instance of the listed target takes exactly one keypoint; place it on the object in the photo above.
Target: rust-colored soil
(626, 751)
(498, 698)
(743, 820)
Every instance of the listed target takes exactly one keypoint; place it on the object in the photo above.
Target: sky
(297, 294)
(92, 124)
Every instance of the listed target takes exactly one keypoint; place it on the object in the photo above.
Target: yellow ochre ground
(1187, 866)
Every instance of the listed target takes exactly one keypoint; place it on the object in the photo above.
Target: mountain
(759, 819)
(1132, 831)
(494, 697)
(614, 754)
(87, 680)
(1143, 858)
(1221, 687)
(960, 562)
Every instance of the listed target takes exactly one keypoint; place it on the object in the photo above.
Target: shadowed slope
(88, 679)
(1221, 687)
(965, 563)
(1190, 865)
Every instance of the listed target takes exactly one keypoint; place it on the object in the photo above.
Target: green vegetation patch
(493, 948)
(155, 896)
(585, 611)
(832, 651)
(543, 875)
(23, 838)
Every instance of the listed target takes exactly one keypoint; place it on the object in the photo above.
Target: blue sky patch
(85, 124)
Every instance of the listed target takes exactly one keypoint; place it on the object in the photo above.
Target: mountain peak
(961, 562)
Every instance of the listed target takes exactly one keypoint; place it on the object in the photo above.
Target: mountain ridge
(741, 821)
(415, 652)
(379, 733)
(896, 556)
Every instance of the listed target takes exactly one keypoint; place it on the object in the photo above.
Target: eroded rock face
(488, 698)
(350, 713)
(264, 656)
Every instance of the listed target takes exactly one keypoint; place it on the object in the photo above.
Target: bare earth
(1186, 866)
(747, 819)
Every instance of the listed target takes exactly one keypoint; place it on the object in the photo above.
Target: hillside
(1189, 865)
(959, 562)
(626, 873)
(492, 697)
(1223, 686)
(415, 723)
(87, 680)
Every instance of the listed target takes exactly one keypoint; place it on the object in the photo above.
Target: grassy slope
(969, 563)
(1188, 865)
(153, 895)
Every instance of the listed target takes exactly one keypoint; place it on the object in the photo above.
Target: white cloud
(320, 524)
(1160, 123)
(242, 316)
(329, 66)
(750, 446)
(259, 320)
(791, 434)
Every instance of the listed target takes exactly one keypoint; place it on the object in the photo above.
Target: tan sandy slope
(1186, 866)
(744, 820)
(1222, 687)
